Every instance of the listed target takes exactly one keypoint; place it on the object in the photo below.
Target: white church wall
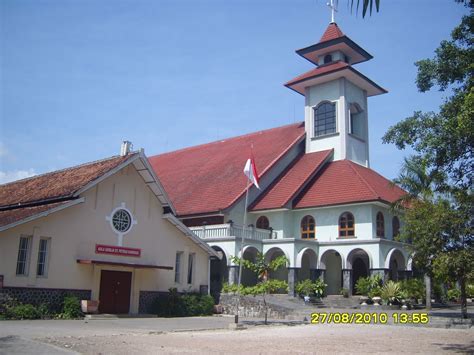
(327, 221)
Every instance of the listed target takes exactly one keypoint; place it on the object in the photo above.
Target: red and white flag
(250, 170)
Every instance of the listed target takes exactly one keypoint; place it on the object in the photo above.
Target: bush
(23, 311)
(391, 293)
(470, 290)
(176, 305)
(344, 292)
(369, 286)
(310, 288)
(413, 288)
(71, 307)
(454, 294)
(228, 288)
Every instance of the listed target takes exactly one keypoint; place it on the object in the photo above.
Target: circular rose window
(121, 221)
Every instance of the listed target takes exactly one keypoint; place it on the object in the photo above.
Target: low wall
(251, 307)
(53, 297)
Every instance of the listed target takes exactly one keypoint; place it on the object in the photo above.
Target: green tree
(439, 223)
(445, 140)
(262, 268)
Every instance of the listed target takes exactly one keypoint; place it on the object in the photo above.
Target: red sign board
(114, 250)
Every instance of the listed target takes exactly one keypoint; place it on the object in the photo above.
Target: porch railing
(232, 230)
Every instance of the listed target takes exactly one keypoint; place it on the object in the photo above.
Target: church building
(124, 229)
(319, 203)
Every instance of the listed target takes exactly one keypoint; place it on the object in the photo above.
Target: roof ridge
(66, 169)
(362, 178)
(226, 139)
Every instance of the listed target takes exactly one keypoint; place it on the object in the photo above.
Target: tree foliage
(445, 140)
(438, 222)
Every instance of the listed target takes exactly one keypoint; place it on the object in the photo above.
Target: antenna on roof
(333, 6)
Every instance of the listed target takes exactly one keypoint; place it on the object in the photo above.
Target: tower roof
(332, 40)
(332, 32)
(333, 71)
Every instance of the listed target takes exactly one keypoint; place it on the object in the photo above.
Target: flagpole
(244, 228)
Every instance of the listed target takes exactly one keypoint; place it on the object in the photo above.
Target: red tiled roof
(292, 181)
(332, 31)
(344, 182)
(209, 178)
(59, 184)
(321, 70)
(14, 215)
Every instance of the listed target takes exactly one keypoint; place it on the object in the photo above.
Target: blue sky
(78, 77)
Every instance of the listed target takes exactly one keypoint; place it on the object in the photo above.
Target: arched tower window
(308, 228)
(380, 225)
(263, 223)
(346, 225)
(395, 226)
(324, 119)
(327, 58)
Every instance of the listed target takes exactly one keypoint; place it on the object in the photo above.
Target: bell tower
(336, 111)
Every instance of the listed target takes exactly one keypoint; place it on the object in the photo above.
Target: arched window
(308, 228)
(380, 225)
(395, 226)
(327, 58)
(346, 225)
(263, 223)
(324, 119)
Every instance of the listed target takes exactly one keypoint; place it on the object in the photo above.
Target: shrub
(310, 288)
(23, 311)
(370, 286)
(414, 288)
(71, 307)
(176, 305)
(344, 292)
(228, 288)
(391, 292)
(470, 290)
(454, 294)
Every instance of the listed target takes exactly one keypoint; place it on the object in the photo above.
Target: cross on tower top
(333, 6)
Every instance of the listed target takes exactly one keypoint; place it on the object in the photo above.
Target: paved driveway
(19, 337)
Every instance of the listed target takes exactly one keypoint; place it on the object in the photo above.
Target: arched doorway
(219, 274)
(331, 262)
(359, 261)
(306, 261)
(281, 273)
(249, 278)
(395, 263)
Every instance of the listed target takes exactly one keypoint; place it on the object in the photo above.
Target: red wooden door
(114, 295)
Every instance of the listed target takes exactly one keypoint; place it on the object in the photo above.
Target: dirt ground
(279, 339)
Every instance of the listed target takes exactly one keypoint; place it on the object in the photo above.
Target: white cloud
(7, 176)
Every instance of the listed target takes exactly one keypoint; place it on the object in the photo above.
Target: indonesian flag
(250, 170)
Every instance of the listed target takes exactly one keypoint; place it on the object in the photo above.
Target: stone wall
(53, 297)
(252, 307)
